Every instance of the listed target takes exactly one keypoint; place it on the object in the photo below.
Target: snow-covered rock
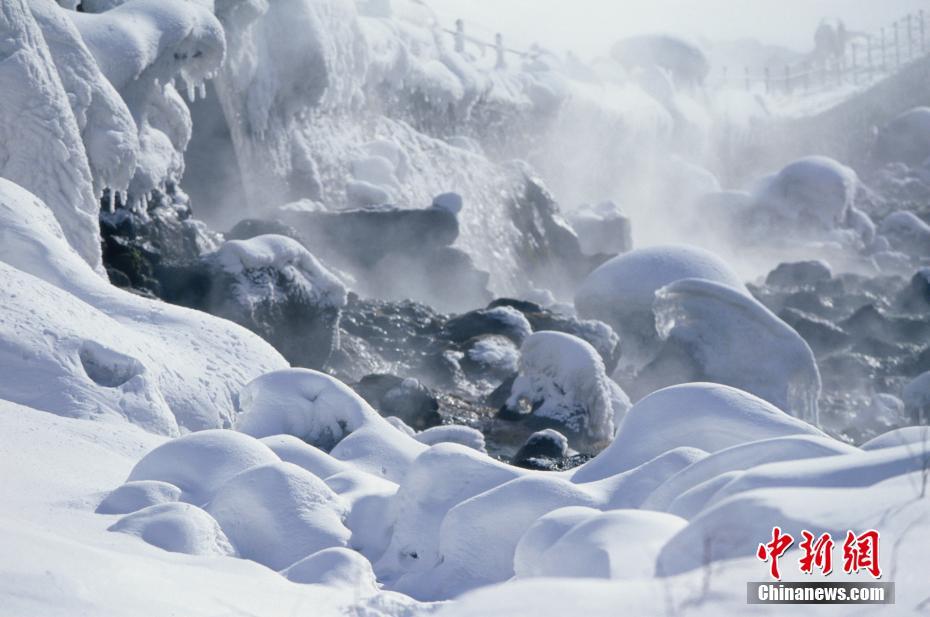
(906, 232)
(618, 544)
(199, 463)
(668, 419)
(621, 292)
(133, 496)
(335, 567)
(712, 332)
(563, 380)
(279, 513)
(906, 138)
(177, 527)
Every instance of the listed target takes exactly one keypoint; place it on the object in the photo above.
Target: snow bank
(177, 527)
(710, 417)
(564, 380)
(199, 463)
(279, 513)
(119, 355)
(719, 332)
(620, 544)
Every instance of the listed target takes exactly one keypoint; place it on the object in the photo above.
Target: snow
(200, 463)
(713, 325)
(304, 403)
(335, 567)
(149, 357)
(142, 47)
(279, 513)
(145, 442)
(620, 544)
(176, 527)
(286, 257)
(133, 496)
(563, 378)
(621, 292)
(810, 194)
(710, 417)
(40, 140)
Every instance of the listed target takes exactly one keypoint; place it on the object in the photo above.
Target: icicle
(191, 94)
(112, 201)
(202, 90)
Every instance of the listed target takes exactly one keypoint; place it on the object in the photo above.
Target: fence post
(501, 62)
(868, 56)
(726, 79)
(923, 30)
(768, 81)
(884, 52)
(910, 38)
(787, 79)
(855, 77)
(460, 36)
(897, 46)
(748, 85)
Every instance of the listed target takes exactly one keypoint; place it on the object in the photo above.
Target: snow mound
(905, 232)
(717, 331)
(737, 458)
(279, 513)
(543, 534)
(621, 291)
(620, 544)
(178, 528)
(133, 496)
(564, 380)
(294, 450)
(335, 567)
(287, 258)
(906, 138)
(707, 416)
(917, 436)
(463, 435)
(199, 463)
(812, 193)
(304, 403)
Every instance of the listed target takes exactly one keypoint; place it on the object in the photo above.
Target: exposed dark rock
(600, 335)
(503, 321)
(799, 274)
(822, 335)
(550, 251)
